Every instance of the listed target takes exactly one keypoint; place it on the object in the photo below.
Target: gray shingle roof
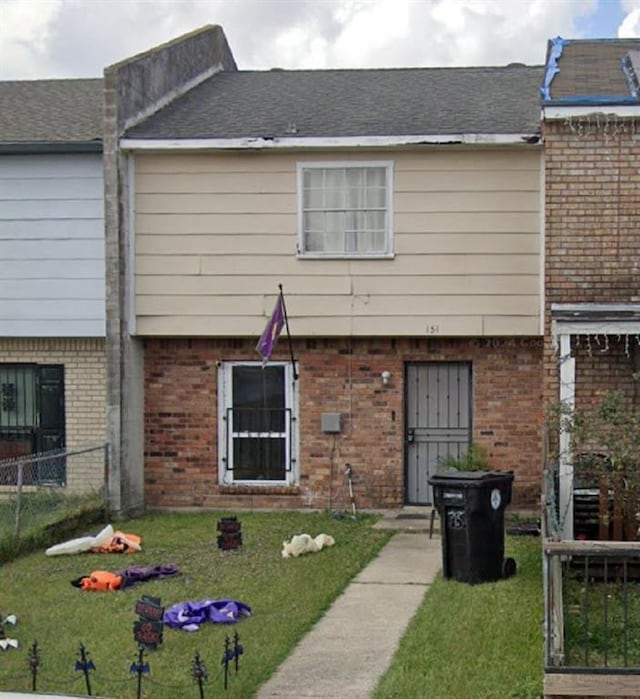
(592, 71)
(350, 103)
(51, 111)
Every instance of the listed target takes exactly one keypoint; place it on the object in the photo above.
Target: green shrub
(476, 458)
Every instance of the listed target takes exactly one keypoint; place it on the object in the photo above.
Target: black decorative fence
(204, 676)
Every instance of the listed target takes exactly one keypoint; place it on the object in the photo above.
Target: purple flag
(267, 341)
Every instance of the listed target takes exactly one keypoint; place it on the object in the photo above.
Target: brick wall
(336, 375)
(592, 211)
(592, 234)
(85, 390)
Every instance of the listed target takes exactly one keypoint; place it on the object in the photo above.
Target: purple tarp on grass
(189, 616)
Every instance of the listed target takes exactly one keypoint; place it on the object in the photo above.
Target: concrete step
(410, 519)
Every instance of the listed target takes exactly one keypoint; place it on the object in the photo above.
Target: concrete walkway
(351, 647)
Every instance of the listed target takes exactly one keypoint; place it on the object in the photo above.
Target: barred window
(258, 419)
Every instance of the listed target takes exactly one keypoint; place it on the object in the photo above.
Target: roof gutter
(261, 143)
(579, 110)
(58, 147)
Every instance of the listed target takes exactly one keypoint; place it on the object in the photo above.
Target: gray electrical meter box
(330, 422)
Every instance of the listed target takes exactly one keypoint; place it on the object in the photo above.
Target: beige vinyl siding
(285, 265)
(369, 305)
(412, 244)
(335, 285)
(215, 234)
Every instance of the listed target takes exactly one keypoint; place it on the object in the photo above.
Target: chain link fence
(39, 491)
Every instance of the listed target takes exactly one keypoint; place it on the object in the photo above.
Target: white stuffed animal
(304, 543)
(324, 540)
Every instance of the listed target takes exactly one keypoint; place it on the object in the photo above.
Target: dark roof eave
(25, 148)
(595, 312)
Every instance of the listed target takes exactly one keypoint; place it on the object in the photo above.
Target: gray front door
(438, 422)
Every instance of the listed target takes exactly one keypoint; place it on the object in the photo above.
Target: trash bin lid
(471, 479)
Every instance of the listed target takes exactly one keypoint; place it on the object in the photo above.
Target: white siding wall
(216, 233)
(51, 246)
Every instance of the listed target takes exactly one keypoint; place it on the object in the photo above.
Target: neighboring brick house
(591, 130)
(52, 317)
(401, 212)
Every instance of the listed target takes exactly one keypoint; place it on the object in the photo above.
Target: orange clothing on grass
(101, 580)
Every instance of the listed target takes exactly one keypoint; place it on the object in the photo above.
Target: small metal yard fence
(40, 489)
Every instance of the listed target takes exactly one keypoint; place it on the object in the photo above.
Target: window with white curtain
(344, 209)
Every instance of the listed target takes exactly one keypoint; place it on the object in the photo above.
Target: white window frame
(388, 252)
(225, 401)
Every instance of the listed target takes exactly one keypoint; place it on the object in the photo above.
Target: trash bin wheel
(508, 568)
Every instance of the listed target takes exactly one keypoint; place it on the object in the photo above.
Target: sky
(78, 38)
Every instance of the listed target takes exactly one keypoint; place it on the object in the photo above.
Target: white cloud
(25, 33)
(366, 34)
(630, 26)
(296, 46)
(79, 38)
(630, 5)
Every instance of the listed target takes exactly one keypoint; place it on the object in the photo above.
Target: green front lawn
(475, 641)
(480, 642)
(286, 596)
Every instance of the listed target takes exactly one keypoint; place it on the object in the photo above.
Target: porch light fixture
(386, 377)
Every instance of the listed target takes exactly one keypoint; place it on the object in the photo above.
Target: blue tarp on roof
(552, 69)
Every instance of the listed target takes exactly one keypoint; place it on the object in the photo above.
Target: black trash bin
(471, 506)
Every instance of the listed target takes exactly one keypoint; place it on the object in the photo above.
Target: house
(52, 299)
(401, 213)
(591, 130)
